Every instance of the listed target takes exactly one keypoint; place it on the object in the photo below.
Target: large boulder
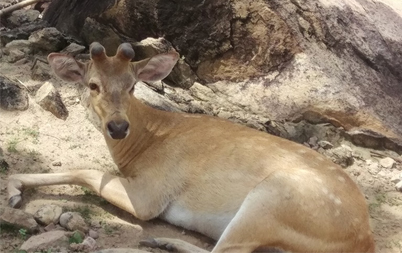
(335, 61)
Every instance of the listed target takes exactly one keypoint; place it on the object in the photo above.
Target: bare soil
(35, 141)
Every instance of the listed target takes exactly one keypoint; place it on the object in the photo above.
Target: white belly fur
(211, 225)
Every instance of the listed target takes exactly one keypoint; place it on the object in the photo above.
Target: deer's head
(111, 81)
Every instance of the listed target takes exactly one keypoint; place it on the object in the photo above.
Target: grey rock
(313, 142)
(49, 99)
(397, 178)
(342, 155)
(104, 34)
(373, 167)
(92, 233)
(24, 46)
(48, 214)
(22, 16)
(387, 162)
(48, 40)
(56, 163)
(21, 33)
(73, 221)
(45, 241)
(88, 244)
(20, 219)
(398, 186)
(41, 71)
(15, 55)
(325, 144)
(13, 96)
(181, 76)
(73, 49)
(96, 224)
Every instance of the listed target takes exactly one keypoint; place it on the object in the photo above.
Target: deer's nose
(118, 129)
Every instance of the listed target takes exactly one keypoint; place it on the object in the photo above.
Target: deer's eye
(93, 86)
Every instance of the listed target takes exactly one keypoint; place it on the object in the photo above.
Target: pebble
(92, 233)
(48, 214)
(387, 162)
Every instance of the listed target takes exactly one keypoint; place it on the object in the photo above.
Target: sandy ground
(34, 141)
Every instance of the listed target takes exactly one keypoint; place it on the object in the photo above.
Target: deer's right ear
(66, 67)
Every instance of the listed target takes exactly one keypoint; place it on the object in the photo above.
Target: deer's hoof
(15, 201)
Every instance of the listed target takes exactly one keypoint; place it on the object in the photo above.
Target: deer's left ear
(155, 68)
(66, 67)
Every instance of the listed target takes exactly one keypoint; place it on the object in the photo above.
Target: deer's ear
(155, 68)
(66, 67)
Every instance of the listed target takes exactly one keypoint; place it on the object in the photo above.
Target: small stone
(398, 186)
(397, 178)
(325, 144)
(40, 72)
(19, 17)
(73, 49)
(313, 141)
(48, 39)
(387, 162)
(20, 219)
(47, 240)
(13, 96)
(73, 221)
(342, 155)
(373, 167)
(96, 224)
(87, 245)
(24, 46)
(56, 163)
(49, 99)
(92, 233)
(50, 227)
(15, 55)
(48, 214)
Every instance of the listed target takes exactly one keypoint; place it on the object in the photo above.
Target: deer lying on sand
(248, 190)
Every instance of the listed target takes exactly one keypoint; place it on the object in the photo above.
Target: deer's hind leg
(128, 194)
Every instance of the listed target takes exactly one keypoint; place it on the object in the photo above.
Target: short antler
(97, 51)
(125, 52)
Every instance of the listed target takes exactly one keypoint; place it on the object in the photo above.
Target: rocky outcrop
(332, 61)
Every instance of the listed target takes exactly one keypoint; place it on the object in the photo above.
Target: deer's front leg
(130, 194)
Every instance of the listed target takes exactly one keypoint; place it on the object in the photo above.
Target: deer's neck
(147, 127)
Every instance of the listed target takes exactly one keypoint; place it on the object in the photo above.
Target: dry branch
(17, 6)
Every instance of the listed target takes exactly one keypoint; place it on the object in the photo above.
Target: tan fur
(246, 189)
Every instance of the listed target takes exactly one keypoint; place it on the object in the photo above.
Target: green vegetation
(12, 145)
(3, 166)
(31, 132)
(7, 228)
(85, 212)
(76, 238)
(23, 233)
(109, 229)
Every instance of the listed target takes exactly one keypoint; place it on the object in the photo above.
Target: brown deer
(248, 190)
